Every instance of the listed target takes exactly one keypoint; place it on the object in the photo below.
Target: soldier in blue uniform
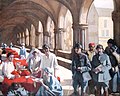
(80, 70)
(100, 70)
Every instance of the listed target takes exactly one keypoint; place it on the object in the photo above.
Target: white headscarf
(31, 53)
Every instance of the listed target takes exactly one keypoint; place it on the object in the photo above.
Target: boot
(97, 92)
(84, 94)
(106, 93)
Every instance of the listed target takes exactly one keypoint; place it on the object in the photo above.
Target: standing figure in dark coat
(100, 71)
(114, 71)
(80, 70)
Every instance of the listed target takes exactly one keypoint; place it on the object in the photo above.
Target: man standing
(80, 70)
(100, 71)
(114, 71)
(91, 52)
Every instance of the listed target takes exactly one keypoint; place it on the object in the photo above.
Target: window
(105, 23)
(103, 33)
(107, 32)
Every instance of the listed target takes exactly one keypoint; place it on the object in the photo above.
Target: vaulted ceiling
(16, 14)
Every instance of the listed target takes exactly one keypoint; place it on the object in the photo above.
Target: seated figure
(50, 85)
(34, 63)
(8, 67)
(17, 90)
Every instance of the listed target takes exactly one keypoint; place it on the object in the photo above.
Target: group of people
(41, 66)
(96, 69)
(46, 66)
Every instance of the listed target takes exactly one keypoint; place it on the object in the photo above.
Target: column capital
(56, 30)
(84, 26)
(79, 26)
(46, 33)
(61, 30)
(75, 26)
(116, 16)
(37, 33)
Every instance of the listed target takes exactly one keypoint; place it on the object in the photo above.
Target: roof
(104, 12)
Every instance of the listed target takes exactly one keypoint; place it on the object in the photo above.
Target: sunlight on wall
(50, 30)
(68, 26)
(97, 31)
(104, 3)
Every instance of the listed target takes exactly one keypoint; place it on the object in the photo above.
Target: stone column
(40, 39)
(18, 38)
(79, 33)
(116, 26)
(20, 34)
(37, 39)
(32, 36)
(30, 39)
(55, 41)
(60, 38)
(27, 37)
(56, 44)
(46, 37)
(84, 30)
(24, 39)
